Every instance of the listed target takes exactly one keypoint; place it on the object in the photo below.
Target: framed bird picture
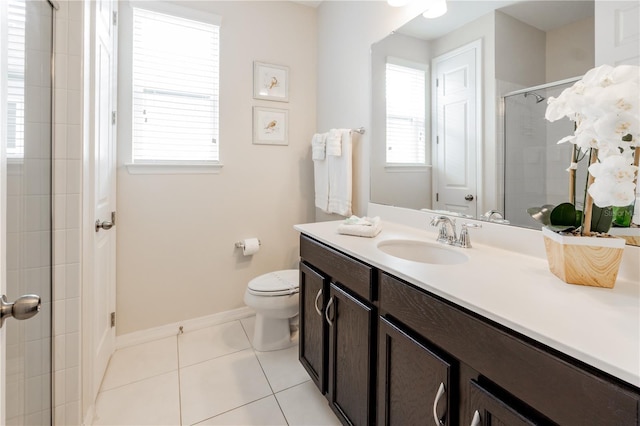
(270, 82)
(270, 126)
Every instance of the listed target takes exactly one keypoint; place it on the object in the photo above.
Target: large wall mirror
(458, 107)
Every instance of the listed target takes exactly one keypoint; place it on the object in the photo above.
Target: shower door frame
(3, 201)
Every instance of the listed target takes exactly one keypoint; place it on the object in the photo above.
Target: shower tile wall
(28, 351)
(67, 187)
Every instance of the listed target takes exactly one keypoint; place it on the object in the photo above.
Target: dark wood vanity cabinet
(504, 376)
(351, 349)
(337, 329)
(313, 338)
(385, 352)
(414, 383)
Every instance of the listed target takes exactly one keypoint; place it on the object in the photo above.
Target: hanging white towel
(321, 183)
(318, 145)
(340, 177)
(334, 142)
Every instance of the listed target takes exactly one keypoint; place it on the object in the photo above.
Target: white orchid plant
(605, 106)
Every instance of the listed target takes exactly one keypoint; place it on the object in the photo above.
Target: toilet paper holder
(240, 244)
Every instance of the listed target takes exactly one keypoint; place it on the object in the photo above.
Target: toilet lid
(276, 283)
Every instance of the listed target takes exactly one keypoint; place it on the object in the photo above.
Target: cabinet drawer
(550, 383)
(350, 273)
(486, 409)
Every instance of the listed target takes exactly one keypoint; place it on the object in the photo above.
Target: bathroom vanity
(496, 339)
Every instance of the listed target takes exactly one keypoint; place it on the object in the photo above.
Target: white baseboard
(173, 329)
(88, 418)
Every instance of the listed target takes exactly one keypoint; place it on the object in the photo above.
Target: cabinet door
(351, 348)
(313, 338)
(413, 383)
(485, 409)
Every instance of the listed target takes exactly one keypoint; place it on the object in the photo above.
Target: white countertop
(600, 327)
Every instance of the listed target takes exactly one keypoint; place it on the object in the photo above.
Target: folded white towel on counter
(361, 226)
(318, 146)
(334, 142)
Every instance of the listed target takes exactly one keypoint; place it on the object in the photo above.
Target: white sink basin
(421, 251)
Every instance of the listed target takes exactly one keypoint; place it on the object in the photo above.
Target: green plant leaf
(561, 228)
(601, 219)
(564, 215)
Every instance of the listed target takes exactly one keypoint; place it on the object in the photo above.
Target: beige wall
(176, 257)
(570, 50)
(520, 52)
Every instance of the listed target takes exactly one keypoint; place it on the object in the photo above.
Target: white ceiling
(310, 3)
(542, 14)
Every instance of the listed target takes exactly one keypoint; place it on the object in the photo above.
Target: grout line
(137, 381)
(215, 357)
(234, 408)
(293, 386)
(281, 410)
(270, 387)
(247, 334)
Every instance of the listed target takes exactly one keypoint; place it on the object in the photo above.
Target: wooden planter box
(592, 261)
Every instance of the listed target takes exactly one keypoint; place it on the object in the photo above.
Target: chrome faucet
(447, 231)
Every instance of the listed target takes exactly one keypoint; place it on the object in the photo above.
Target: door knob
(469, 197)
(107, 224)
(23, 308)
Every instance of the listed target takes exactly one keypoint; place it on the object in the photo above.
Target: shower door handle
(23, 308)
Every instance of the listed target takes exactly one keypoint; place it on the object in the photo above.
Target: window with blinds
(175, 89)
(406, 105)
(15, 78)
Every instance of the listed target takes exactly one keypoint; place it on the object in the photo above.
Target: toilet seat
(278, 283)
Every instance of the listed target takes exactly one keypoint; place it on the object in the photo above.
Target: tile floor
(210, 376)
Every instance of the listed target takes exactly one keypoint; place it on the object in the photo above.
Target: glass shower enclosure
(534, 163)
(26, 123)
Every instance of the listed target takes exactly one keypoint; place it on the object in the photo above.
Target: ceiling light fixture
(398, 3)
(436, 9)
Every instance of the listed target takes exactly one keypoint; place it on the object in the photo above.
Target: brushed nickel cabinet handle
(326, 311)
(439, 394)
(476, 421)
(316, 302)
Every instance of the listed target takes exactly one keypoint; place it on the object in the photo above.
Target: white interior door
(457, 135)
(617, 39)
(102, 189)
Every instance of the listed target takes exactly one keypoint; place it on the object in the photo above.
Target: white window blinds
(16, 78)
(175, 89)
(405, 94)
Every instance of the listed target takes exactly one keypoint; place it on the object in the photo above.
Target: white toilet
(274, 297)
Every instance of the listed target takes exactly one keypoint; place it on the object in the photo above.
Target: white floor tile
(305, 405)
(141, 361)
(249, 325)
(153, 401)
(221, 384)
(211, 342)
(264, 412)
(282, 368)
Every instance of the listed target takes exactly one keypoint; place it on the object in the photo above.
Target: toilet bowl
(274, 297)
